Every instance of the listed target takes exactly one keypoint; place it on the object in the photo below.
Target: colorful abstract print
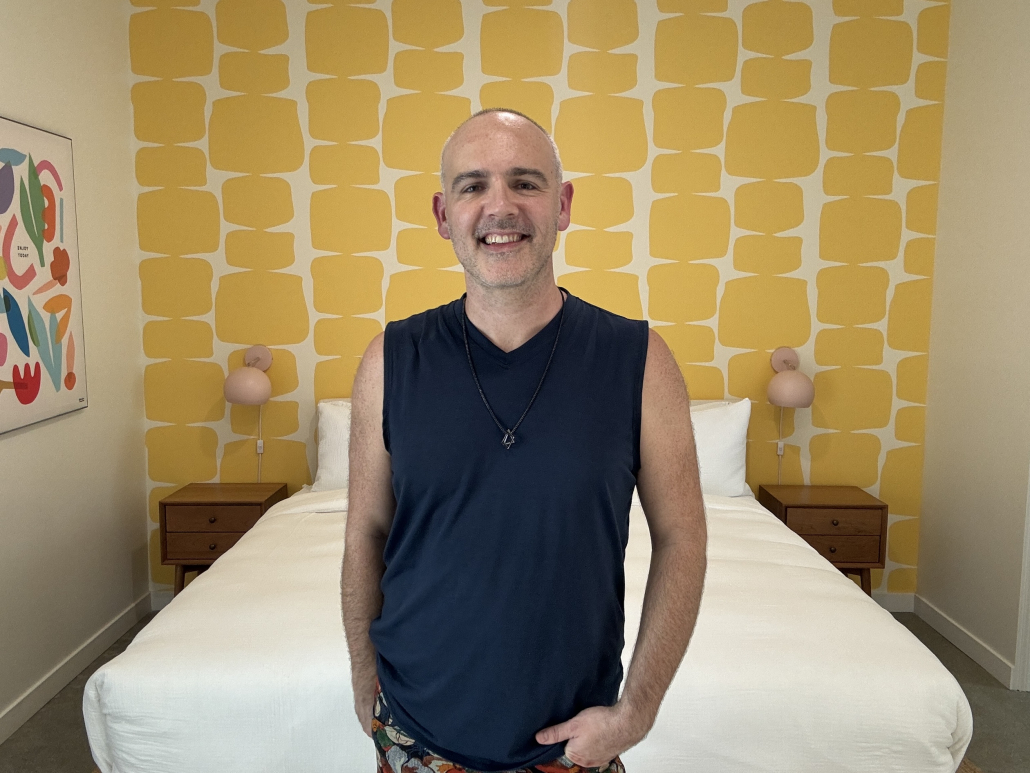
(397, 752)
(40, 325)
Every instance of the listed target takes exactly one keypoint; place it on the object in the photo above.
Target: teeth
(499, 239)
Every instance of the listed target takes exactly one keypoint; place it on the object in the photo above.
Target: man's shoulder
(603, 320)
(417, 325)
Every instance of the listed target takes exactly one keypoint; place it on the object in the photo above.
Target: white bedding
(791, 668)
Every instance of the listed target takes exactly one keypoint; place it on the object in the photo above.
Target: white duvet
(791, 668)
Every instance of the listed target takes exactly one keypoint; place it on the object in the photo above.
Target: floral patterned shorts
(398, 753)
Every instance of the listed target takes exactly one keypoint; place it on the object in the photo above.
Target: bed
(791, 668)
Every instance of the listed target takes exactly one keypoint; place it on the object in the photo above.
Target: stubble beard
(474, 260)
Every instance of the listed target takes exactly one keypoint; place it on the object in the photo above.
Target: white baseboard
(159, 599)
(895, 602)
(984, 655)
(32, 700)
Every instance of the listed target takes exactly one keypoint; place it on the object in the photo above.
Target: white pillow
(333, 445)
(720, 434)
(703, 405)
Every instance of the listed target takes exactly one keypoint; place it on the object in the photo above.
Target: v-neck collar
(542, 339)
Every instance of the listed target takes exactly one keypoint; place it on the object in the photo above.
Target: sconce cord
(779, 450)
(261, 445)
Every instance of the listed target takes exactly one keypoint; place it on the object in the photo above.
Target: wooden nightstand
(845, 524)
(201, 521)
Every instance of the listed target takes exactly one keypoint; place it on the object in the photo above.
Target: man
(494, 449)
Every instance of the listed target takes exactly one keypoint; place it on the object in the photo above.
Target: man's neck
(512, 316)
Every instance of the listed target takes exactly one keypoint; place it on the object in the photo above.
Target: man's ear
(565, 213)
(440, 213)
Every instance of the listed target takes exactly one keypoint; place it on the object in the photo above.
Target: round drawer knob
(213, 546)
(212, 519)
(832, 550)
(835, 522)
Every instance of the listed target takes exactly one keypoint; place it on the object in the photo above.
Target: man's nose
(500, 201)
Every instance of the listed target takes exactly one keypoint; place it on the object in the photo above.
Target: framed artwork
(42, 364)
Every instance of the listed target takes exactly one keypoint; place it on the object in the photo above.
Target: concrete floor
(54, 739)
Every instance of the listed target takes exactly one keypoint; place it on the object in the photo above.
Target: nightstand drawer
(201, 521)
(846, 549)
(211, 517)
(847, 526)
(818, 520)
(202, 547)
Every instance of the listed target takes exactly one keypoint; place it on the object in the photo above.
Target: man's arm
(670, 492)
(369, 517)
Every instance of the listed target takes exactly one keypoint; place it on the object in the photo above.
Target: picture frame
(42, 351)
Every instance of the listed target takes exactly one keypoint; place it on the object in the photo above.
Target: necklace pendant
(509, 439)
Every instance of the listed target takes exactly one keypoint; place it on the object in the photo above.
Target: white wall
(73, 551)
(978, 415)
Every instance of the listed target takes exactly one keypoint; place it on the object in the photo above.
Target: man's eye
(470, 188)
(526, 186)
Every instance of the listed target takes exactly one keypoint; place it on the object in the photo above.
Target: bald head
(502, 201)
(506, 118)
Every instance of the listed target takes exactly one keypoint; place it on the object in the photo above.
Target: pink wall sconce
(789, 388)
(250, 385)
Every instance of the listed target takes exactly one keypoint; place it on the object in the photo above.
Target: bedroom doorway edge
(1021, 668)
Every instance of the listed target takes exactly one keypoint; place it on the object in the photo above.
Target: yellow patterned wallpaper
(748, 175)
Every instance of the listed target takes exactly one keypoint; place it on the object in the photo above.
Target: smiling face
(502, 203)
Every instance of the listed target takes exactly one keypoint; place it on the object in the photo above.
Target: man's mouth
(503, 238)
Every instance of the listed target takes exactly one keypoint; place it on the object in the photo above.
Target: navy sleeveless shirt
(503, 590)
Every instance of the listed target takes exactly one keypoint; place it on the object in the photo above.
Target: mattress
(791, 667)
